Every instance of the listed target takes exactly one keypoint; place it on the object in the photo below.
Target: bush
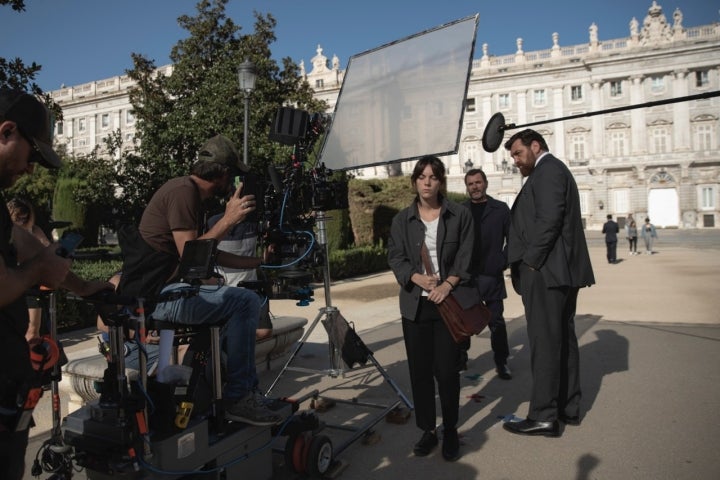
(357, 261)
(73, 314)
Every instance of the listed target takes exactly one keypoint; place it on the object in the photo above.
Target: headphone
(44, 354)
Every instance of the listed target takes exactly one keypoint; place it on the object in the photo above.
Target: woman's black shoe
(451, 445)
(426, 444)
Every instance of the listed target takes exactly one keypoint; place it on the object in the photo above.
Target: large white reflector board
(403, 100)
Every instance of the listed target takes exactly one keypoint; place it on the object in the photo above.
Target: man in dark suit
(549, 262)
(492, 221)
(611, 229)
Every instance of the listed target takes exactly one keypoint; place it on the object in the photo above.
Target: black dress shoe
(533, 427)
(503, 372)
(427, 442)
(573, 420)
(451, 445)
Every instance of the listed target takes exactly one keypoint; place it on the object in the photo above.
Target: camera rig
(297, 196)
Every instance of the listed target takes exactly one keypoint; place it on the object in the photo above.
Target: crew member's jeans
(237, 309)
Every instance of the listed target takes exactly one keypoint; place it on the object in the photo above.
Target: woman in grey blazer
(446, 228)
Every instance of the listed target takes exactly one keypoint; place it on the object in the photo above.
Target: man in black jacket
(611, 229)
(549, 262)
(492, 221)
(25, 140)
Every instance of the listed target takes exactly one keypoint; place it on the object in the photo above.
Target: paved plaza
(649, 334)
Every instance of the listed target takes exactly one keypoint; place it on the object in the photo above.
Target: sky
(79, 41)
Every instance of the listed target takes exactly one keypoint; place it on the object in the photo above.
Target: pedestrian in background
(611, 229)
(632, 234)
(648, 234)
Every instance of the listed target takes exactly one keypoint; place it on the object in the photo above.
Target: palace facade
(658, 161)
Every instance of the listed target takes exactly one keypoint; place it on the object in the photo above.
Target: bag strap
(425, 255)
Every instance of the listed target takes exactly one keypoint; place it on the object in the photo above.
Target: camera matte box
(289, 126)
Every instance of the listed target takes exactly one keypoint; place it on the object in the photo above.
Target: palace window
(129, 117)
(707, 198)
(621, 203)
(578, 147)
(469, 104)
(617, 144)
(576, 92)
(504, 100)
(105, 120)
(59, 128)
(584, 202)
(615, 88)
(701, 78)
(81, 124)
(319, 83)
(539, 98)
(704, 137)
(660, 140)
(657, 84)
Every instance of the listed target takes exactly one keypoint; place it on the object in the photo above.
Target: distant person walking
(648, 234)
(611, 229)
(632, 233)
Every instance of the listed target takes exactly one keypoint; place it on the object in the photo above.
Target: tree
(37, 188)
(200, 98)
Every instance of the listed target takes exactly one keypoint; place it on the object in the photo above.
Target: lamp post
(246, 77)
(468, 165)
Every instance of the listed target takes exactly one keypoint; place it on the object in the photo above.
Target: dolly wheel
(320, 455)
(293, 452)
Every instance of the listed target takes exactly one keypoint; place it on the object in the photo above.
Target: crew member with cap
(25, 139)
(175, 216)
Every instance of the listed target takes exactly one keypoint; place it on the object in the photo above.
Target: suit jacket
(407, 234)
(546, 230)
(490, 250)
(610, 229)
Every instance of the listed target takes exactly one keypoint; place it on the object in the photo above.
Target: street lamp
(246, 77)
(468, 165)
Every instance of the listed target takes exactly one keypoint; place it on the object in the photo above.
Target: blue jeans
(237, 310)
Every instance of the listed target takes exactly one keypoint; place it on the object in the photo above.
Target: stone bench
(87, 366)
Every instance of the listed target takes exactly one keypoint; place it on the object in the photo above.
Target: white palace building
(658, 161)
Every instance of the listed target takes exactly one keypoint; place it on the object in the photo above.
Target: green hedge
(74, 314)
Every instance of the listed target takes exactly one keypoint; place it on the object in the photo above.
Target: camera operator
(175, 216)
(241, 240)
(25, 139)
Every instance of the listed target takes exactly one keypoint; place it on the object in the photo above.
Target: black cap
(219, 149)
(34, 121)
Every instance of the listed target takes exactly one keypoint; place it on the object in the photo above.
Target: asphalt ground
(649, 334)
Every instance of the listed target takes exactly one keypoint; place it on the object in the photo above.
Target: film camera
(294, 201)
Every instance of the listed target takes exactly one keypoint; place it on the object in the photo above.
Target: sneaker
(451, 445)
(427, 442)
(252, 410)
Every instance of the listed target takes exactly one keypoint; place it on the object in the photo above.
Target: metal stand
(328, 314)
(56, 455)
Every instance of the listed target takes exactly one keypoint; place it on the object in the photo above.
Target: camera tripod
(334, 322)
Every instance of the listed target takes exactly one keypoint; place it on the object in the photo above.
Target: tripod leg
(294, 353)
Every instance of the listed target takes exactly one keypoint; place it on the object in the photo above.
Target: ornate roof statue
(655, 27)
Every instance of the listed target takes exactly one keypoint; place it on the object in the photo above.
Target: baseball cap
(220, 149)
(34, 121)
